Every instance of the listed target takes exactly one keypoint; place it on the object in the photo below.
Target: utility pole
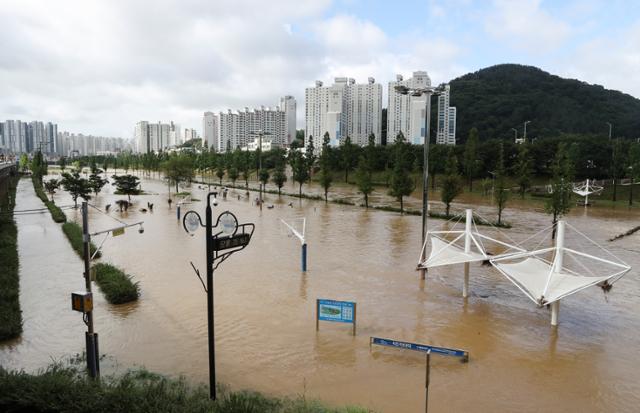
(516, 133)
(93, 355)
(610, 128)
(525, 130)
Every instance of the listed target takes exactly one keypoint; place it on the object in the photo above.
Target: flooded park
(266, 338)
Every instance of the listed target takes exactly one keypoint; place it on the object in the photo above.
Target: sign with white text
(337, 311)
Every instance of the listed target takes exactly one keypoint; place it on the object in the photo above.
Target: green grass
(116, 286)
(56, 213)
(10, 314)
(66, 389)
(73, 232)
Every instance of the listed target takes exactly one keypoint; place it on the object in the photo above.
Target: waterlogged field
(265, 308)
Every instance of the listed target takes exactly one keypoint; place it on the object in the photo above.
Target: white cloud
(611, 61)
(525, 25)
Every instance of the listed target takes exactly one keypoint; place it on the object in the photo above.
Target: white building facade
(156, 137)
(406, 113)
(211, 131)
(239, 128)
(446, 132)
(343, 109)
(288, 105)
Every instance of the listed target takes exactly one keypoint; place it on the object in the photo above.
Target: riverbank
(60, 388)
(10, 314)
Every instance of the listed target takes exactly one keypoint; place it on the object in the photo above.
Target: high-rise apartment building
(28, 137)
(288, 105)
(211, 131)
(343, 109)
(156, 137)
(239, 128)
(446, 134)
(406, 113)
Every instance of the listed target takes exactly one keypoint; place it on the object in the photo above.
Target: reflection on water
(265, 308)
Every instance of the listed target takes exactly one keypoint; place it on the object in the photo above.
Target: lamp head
(141, 229)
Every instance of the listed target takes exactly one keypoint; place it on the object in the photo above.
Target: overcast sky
(99, 66)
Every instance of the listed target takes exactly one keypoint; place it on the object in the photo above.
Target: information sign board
(421, 347)
(337, 311)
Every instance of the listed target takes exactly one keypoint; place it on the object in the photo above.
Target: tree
(233, 174)
(63, 163)
(76, 186)
(325, 166)
(127, 185)
(617, 160)
(348, 159)
(633, 168)
(264, 177)
(96, 182)
(311, 157)
(299, 168)
(220, 172)
(279, 177)
(470, 161)
(501, 194)
(451, 184)
(523, 169)
(51, 186)
(178, 169)
(38, 165)
(245, 165)
(364, 179)
(401, 183)
(24, 162)
(559, 203)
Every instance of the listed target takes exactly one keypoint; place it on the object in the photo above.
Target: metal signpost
(337, 311)
(222, 239)
(443, 351)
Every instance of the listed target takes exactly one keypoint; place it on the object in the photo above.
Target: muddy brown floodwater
(265, 309)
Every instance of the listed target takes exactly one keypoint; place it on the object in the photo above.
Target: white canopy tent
(546, 281)
(585, 189)
(465, 247)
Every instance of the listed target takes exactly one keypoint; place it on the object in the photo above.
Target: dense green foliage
(10, 314)
(115, 284)
(451, 183)
(77, 186)
(498, 98)
(127, 185)
(560, 201)
(178, 169)
(65, 389)
(73, 232)
(56, 213)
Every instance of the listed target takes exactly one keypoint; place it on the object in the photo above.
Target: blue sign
(340, 311)
(421, 347)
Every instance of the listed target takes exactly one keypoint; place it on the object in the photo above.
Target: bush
(56, 213)
(65, 389)
(73, 232)
(115, 284)
(10, 314)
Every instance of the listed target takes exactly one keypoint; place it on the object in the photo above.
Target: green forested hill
(502, 97)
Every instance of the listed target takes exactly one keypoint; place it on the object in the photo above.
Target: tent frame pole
(557, 267)
(467, 249)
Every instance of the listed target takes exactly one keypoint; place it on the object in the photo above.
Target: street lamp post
(427, 92)
(516, 133)
(610, 128)
(260, 134)
(525, 130)
(91, 337)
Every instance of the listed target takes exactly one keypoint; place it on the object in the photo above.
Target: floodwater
(265, 309)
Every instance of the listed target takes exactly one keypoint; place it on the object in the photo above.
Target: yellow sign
(117, 232)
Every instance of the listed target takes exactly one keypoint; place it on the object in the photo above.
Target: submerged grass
(56, 213)
(73, 232)
(115, 284)
(66, 389)
(10, 314)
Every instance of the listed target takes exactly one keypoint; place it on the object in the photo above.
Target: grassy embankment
(65, 389)
(114, 283)
(56, 213)
(117, 286)
(10, 314)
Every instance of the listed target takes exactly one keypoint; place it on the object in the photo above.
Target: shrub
(10, 314)
(115, 284)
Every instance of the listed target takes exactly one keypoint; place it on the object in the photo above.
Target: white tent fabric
(533, 275)
(447, 253)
